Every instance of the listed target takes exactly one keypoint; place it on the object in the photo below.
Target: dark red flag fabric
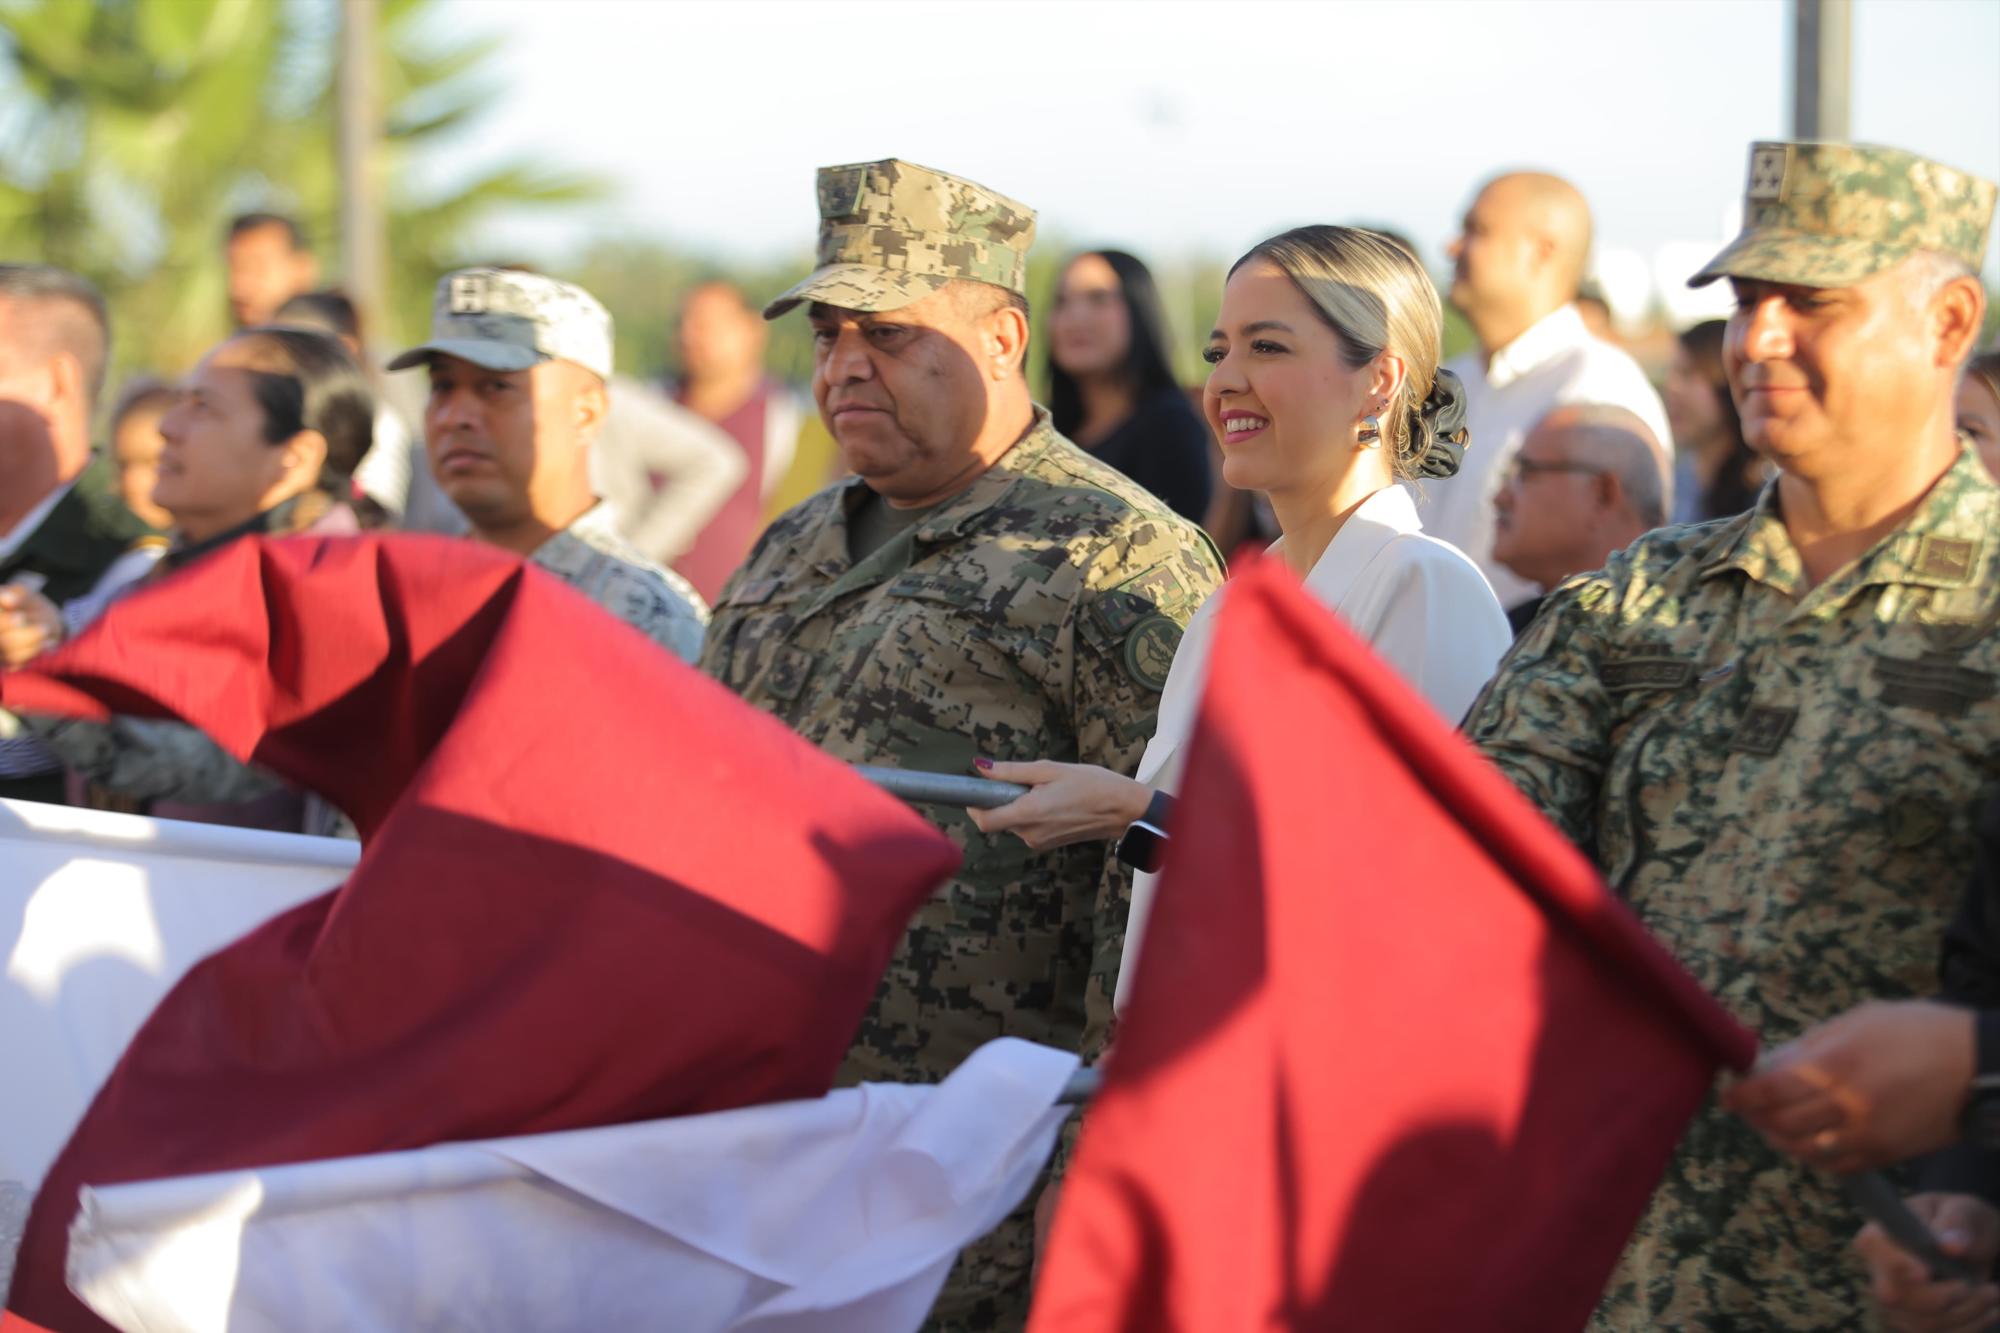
(1393, 1058)
(596, 887)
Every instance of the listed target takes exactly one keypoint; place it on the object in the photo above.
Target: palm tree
(132, 130)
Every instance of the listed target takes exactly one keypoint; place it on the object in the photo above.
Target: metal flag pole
(1871, 1192)
(920, 788)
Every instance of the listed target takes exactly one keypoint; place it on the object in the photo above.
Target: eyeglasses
(1522, 468)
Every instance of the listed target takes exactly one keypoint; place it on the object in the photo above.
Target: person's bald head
(1588, 480)
(1522, 253)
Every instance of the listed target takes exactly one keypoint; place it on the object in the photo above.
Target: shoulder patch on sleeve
(1149, 651)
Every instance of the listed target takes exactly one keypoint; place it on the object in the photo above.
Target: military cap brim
(862, 287)
(1800, 259)
(483, 352)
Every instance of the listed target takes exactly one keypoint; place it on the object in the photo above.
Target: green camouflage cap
(1832, 214)
(505, 320)
(892, 232)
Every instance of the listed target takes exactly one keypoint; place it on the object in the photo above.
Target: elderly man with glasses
(1588, 480)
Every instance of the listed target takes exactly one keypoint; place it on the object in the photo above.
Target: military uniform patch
(1763, 730)
(1768, 166)
(1149, 651)
(1944, 558)
(1935, 682)
(468, 294)
(840, 191)
(1912, 823)
(1645, 673)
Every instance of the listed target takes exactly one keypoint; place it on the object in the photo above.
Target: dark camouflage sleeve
(152, 759)
(1127, 629)
(1545, 719)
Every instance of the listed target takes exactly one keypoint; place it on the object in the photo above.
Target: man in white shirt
(1519, 261)
(64, 533)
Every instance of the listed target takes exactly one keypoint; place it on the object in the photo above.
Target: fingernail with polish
(982, 763)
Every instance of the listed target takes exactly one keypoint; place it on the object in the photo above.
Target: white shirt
(1555, 361)
(1424, 607)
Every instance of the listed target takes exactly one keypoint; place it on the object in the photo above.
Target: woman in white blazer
(1325, 393)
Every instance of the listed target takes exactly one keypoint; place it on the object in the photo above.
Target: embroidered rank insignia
(1769, 166)
(468, 294)
(1763, 729)
(1934, 682)
(1945, 558)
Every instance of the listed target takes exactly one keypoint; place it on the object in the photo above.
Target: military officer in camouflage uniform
(518, 368)
(1771, 732)
(981, 588)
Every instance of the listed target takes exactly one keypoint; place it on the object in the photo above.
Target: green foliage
(132, 130)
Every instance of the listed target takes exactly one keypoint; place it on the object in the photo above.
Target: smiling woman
(1325, 392)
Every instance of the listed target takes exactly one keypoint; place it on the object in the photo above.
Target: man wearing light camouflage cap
(1771, 731)
(518, 364)
(980, 589)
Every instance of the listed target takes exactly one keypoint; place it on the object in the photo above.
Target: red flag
(596, 887)
(1394, 1058)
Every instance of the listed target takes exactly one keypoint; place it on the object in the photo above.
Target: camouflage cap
(1832, 214)
(506, 320)
(892, 232)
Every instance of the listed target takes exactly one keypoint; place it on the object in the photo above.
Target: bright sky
(1177, 128)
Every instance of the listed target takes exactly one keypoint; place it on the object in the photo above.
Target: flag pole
(921, 788)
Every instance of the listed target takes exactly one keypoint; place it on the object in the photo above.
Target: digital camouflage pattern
(504, 320)
(891, 233)
(1030, 617)
(1782, 782)
(591, 557)
(1831, 214)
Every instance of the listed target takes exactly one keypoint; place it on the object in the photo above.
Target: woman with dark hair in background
(392, 484)
(1977, 407)
(1111, 383)
(1719, 474)
(262, 439)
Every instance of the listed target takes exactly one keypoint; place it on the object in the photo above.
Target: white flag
(841, 1215)
(100, 915)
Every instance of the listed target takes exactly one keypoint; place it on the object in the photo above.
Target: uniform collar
(1944, 544)
(1545, 339)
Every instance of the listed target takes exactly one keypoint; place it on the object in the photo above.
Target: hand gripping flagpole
(1871, 1192)
(920, 788)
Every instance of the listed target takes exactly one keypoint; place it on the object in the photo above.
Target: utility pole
(1821, 59)
(363, 211)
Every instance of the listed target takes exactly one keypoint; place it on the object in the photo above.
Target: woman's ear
(1390, 372)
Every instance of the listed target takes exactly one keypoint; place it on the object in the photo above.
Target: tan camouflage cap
(892, 232)
(505, 320)
(1831, 214)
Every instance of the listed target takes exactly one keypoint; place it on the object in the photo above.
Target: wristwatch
(1143, 845)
